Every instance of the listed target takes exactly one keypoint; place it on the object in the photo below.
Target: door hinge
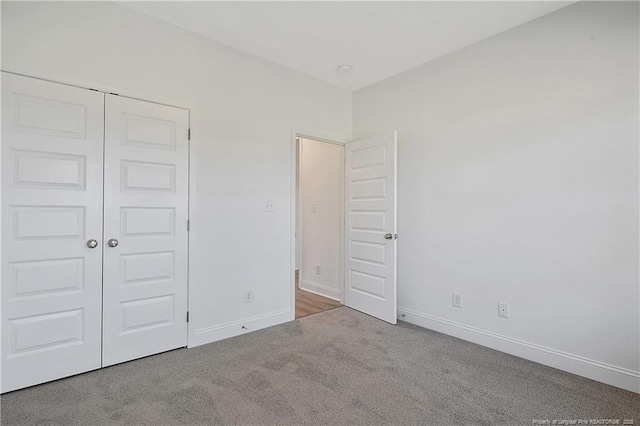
(189, 134)
(187, 316)
(188, 224)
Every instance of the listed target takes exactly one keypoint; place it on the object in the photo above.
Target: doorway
(366, 246)
(319, 278)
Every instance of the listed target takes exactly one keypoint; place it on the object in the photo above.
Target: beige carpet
(337, 367)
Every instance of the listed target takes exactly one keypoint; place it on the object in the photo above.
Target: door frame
(192, 154)
(296, 197)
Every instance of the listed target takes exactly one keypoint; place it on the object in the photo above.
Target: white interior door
(146, 201)
(52, 139)
(370, 231)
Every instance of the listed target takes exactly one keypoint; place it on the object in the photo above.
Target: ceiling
(377, 39)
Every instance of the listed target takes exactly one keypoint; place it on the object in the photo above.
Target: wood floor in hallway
(309, 303)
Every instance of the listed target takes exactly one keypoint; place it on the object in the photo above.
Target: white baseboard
(602, 372)
(320, 289)
(235, 328)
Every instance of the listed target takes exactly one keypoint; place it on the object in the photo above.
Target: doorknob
(112, 242)
(388, 236)
(92, 243)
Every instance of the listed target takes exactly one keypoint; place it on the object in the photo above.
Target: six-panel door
(370, 231)
(52, 140)
(146, 189)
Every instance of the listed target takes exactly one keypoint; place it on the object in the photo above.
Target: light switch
(269, 205)
(314, 207)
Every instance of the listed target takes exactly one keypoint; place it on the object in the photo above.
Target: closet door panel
(146, 201)
(52, 152)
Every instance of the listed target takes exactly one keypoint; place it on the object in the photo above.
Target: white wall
(321, 184)
(518, 182)
(243, 111)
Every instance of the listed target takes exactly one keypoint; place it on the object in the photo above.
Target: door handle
(92, 243)
(390, 236)
(112, 242)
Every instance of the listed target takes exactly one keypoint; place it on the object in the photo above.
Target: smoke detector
(343, 69)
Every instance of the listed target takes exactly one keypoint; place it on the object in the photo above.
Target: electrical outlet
(318, 269)
(503, 310)
(248, 295)
(456, 299)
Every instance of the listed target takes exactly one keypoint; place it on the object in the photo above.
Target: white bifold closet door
(52, 141)
(94, 230)
(146, 187)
